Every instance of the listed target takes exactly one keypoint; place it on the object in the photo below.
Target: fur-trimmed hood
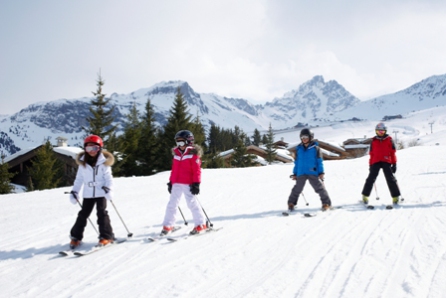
(194, 150)
(106, 159)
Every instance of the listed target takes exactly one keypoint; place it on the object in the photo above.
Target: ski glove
(108, 193)
(393, 168)
(73, 197)
(169, 187)
(195, 188)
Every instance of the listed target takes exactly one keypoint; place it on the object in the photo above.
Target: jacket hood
(109, 158)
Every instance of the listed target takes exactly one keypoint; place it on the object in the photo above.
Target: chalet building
(281, 155)
(357, 147)
(20, 161)
(329, 151)
(351, 148)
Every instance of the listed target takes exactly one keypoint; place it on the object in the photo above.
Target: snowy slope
(351, 252)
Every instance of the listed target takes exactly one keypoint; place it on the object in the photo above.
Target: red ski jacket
(382, 149)
(186, 166)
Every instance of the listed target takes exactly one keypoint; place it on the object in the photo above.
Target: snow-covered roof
(356, 146)
(69, 151)
(19, 153)
(329, 153)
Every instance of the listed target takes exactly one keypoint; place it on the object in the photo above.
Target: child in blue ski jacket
(308, 165)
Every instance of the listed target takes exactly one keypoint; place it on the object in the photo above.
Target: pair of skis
(162, 236)
(310, 214)
(371, 207)
(80, 253)
(182, 237)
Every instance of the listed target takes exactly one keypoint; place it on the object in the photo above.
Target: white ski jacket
(92, 179)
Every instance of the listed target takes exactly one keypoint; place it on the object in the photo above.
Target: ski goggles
(92, 148)
(380, 131)
(181, 143)
(304, 137)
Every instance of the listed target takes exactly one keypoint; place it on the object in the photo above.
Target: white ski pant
(172, 207)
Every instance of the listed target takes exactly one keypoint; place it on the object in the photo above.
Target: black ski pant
(105, 229)
(390, 179)
(317, 185)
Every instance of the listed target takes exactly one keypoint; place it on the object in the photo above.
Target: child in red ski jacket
(382, 156)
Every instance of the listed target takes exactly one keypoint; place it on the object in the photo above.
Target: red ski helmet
(94, 139)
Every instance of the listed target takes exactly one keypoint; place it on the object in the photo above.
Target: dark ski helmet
(307, 132)
(94, 139)
(381, 126)
(186, 135)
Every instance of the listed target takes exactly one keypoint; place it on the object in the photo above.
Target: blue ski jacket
(308, 160)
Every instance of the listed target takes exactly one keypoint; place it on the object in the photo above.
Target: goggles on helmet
(181, 143)
(92, 148)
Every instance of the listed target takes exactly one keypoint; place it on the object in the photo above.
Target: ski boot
(326, 207)
(198, 229)
(365, 199)
(74, 243)
(166, 230)
(104, 242)
(395, 200)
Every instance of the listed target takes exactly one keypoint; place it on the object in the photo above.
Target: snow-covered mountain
(428, 93)
(314, 103)
(315, 100)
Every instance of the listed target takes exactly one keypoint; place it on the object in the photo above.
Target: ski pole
(210, 223)
(376, 191)
(129, 235)
(185, 222)
(77, 200)
(303, 196)
(402, 199)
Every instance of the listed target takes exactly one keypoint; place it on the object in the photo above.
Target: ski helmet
(94, 139)
(381, 126)
(186, 135)
(307, 132)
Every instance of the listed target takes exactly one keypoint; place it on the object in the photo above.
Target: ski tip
(370, 207)
(389, 207)
(285, 213)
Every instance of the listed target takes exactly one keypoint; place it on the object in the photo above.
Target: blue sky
(254, 49)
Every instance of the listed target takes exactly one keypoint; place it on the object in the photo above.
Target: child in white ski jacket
(94, 178)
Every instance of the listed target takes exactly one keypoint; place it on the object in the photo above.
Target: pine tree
(240, 157)
(179, 119)
(213, 161)
(199, 133)
(130, 143)
(270, 150)
(5, 178)
(46, 170)
(101, 119)
(256, 138)
(114, 146)
(148, 144)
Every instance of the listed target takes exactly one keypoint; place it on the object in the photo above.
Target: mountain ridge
(313, 103)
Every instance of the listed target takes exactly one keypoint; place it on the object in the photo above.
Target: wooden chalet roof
(252, 149)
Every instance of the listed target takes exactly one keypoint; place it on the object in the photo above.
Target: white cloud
(252, 49)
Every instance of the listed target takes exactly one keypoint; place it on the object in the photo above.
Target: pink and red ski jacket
(186, 166)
